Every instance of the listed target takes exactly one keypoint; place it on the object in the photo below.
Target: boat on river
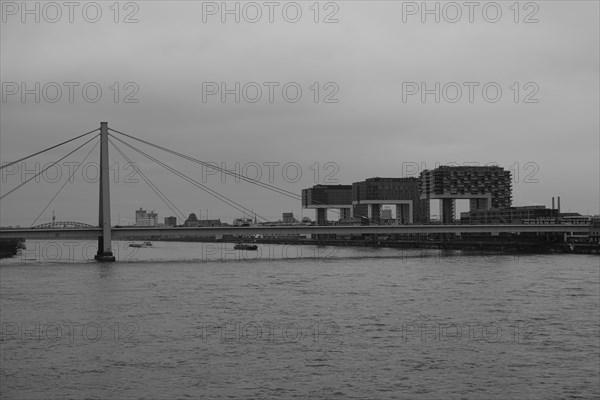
(139, 245)
(245, 246)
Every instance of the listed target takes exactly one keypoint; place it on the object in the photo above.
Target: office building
(511, 215)
(324, 197)
(170, 221)
(371, 194)
(288, 218)
(486, 187)
(595, 229)
(145, 218)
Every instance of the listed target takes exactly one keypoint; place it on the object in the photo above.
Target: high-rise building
(145, 218)
(288, 218)
(595, 229)
(371, 194)
(170, 221)
(362, 201)
(486, 187)
(324, 197)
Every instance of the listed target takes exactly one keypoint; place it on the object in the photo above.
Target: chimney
(559, 204)
(553, 202)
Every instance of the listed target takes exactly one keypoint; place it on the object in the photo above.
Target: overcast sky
(361, 70)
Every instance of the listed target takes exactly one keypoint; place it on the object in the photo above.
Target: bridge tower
(104, 241)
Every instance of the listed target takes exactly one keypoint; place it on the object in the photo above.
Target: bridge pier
(105, 253)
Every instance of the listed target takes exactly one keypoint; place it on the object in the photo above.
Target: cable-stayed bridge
(104, 232)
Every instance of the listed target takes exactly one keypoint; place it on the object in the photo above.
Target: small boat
(144, 244)
(244, 246)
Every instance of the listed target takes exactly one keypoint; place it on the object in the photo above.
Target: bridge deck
(141, 232)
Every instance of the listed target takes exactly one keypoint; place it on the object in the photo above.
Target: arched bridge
(64, 225)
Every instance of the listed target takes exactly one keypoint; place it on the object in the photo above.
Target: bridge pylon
(105, 253)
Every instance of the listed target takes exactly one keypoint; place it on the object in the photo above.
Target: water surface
(193, 320)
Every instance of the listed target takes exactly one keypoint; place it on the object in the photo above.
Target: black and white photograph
(310, 199)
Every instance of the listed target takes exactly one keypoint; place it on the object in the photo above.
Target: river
(201, 320)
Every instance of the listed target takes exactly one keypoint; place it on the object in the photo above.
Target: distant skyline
(377, 93)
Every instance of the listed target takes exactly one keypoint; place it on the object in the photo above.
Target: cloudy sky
(295, 94)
